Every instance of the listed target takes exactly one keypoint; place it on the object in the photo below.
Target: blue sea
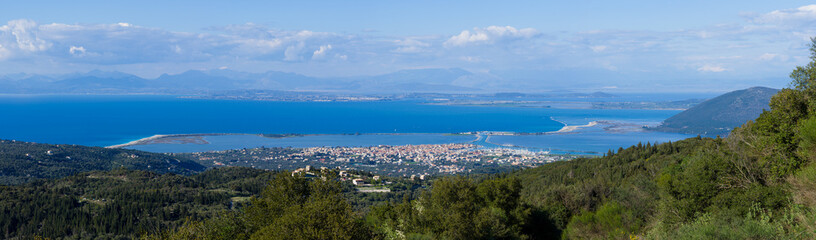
(96, 120)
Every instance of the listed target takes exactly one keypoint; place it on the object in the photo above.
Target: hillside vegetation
(121, 204)
(22, 162)
(720, 115)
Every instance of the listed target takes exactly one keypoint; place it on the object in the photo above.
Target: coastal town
(395, 161)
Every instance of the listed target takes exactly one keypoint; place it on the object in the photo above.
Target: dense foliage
(22, 162)
(121, 203)
(291, 207)
(295, 207)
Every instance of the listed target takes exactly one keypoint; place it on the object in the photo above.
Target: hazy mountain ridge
(719, 115)
(195, 81)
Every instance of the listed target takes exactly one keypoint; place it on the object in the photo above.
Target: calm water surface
(96, 120)
(109, 120)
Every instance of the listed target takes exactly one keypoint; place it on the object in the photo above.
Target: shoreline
(478, 134)
(157, 137)
(138, 141)
(570, 128)
(148, 140)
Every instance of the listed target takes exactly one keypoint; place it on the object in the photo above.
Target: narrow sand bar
(567, 128)
(139, 141)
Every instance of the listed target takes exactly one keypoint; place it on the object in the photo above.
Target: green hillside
(121, 204)
(22, 162)
(719, 115)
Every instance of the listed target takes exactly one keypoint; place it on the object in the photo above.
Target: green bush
(758, 223)
(610, 221)
(807, 139)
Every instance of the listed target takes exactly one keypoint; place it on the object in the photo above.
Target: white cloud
(410, 45)
(25, 33)
(598, 48)
(807, 13)
(698, 58)
(768, 56)
(609, 66)
(711, 68)
(760, 45)
(292, 52)
(262, 45)
(4, 53)
(77, 51)
(321, 52)
(471, 59)
(489, 34)
(773, 56)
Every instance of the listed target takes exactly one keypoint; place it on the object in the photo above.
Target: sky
(613, 45)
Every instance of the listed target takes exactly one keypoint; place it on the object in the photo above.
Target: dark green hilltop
(719, 115)
(22, 162)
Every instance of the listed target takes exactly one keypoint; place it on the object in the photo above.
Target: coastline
(480, 136)
(198, 143)
(157, 137)
(139, 141)
(567, 128)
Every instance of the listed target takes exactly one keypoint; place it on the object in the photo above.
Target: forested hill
(22, 162)
(121, 204)
(717, 116)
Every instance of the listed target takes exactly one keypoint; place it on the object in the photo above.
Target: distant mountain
(414, 80)
(717, 116)
(591, 95)
(100, 74)
(427, 76)
(22, 162)
(196, 82)
(554, 95)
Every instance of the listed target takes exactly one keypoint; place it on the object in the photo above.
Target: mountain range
(194, 81)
